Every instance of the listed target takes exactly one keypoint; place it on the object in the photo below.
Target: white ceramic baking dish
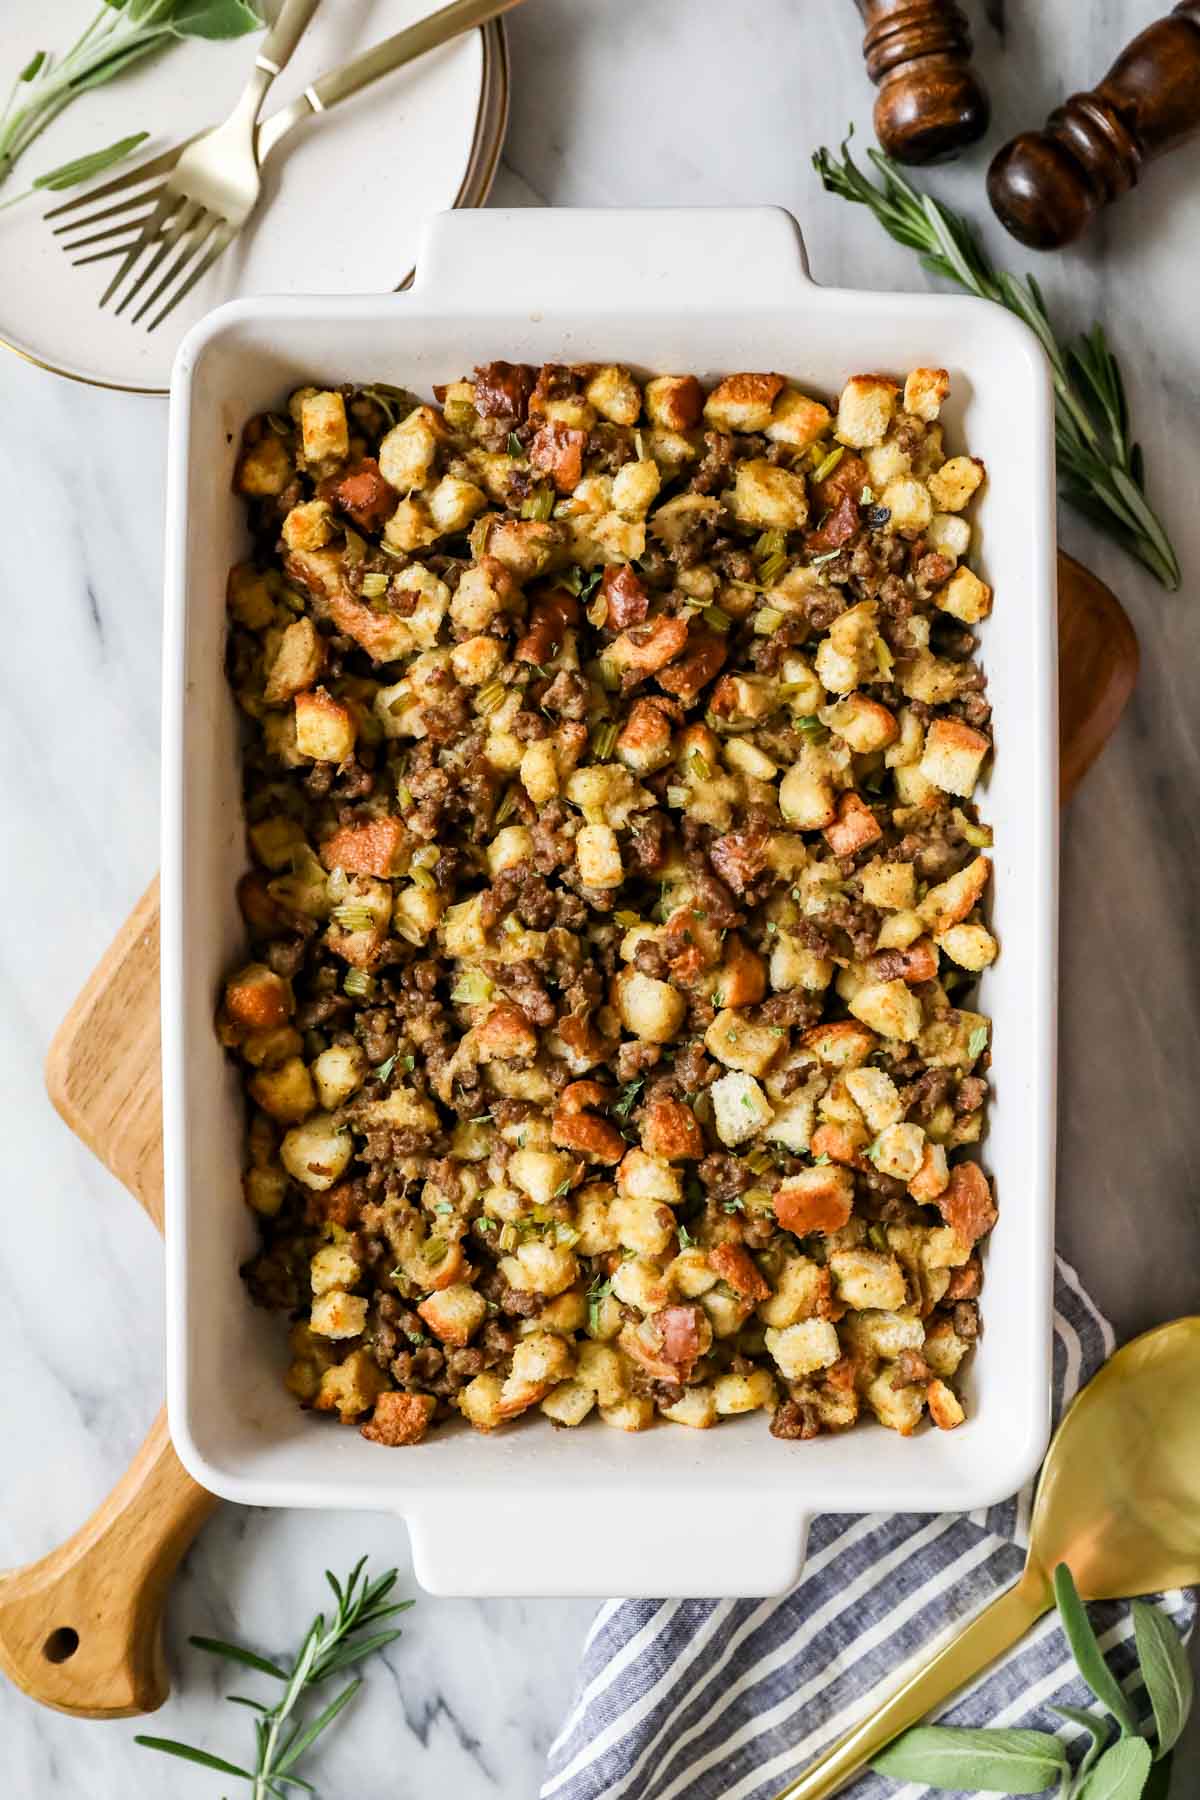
(594, 1511)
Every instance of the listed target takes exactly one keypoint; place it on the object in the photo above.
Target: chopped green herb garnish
(515, 446)
(629, 1093)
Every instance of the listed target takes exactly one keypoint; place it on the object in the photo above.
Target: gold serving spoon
(1118, 1501)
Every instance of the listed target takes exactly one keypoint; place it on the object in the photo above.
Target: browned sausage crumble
(615, 899)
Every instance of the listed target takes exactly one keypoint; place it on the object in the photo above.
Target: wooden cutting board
(80, 1630)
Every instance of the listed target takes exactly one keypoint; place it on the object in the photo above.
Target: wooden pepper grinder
(1046, 186)
(931, 104)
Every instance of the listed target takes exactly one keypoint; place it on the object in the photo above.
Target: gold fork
(203, 216)
(211, 173)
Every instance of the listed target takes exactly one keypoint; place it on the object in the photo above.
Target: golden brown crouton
(400, 1419)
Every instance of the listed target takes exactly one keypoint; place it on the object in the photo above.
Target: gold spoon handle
(996, 1629)
(338, 84)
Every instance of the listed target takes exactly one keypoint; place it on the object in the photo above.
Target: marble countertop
(630, 101)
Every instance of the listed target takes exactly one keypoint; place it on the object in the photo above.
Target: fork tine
(113, 231)
(161, 165)
(149, 199)
(154, 226)
(182, 218)
(80, 262)
(195, 236)
(224, 237)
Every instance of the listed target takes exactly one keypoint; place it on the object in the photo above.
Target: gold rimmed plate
(343, 200)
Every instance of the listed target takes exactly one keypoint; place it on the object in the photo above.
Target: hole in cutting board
(61, 1645)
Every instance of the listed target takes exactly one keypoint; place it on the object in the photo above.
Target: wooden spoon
(81, 1629)
(1116, 1501)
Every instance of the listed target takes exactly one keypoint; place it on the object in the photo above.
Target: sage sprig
(122, 33)
(1100, 466)
(1030, 1762)
(80, 168)
(328, 1648)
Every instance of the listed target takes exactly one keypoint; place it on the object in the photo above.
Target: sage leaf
(213, 18)
(996, 1762)
(68, 174)
(1087, 1652)
(1089, 1722)
(1121, 1773)
(1165, 1670)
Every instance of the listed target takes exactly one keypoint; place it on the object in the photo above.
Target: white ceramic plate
(344, 196)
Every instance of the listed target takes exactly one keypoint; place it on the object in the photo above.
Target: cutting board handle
(81, 1630)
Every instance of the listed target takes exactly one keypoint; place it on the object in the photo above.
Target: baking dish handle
(602, 1543)
(550, 260)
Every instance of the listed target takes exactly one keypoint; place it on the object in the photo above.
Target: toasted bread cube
(742, 402)
(569, 1403)
(865, 410)
(954, 898)
(800, 1348)
(970, 946)
(325, 728)
(454, 1314)
(372, 848)
(316, 1152)
(734, 1394)
(864, 723)
(794, 965)
(539, 772)
(644, 1177)
(615, 395)
(602, 1371)
(333, 1266)
(899, 1150)
(454, 503)
(485, 590)
(634, 1413)
(953, 757)
(399, 1419)
(899, 1408)
(884, 1334)
(875, 1094)
(889, 885)
(651, 1009)
(806, 797)
(263, 469)
(297, 662)
(476, 661)
(945, 1408)
(886, 463)
(818, 1199)
(793, 1122)
(740, 1108)
(855, 827)
(350, 1387)
(511, 846)
(696, 1407)
(953, 484)
(539, 1173)
(479, 1401)
(868, 1278)
(842, 1045)
(801, 1292)
(674, 401)
(308, 526)
(645, 741)
(949, 535)
(257, 998)
(965, 597)
(598, 856)
(537, 1267)
(907, 499)
(324, 432)
(285, 1093)
(943, 1349)
(339, 1072)
(635, 486)
(924, 391)
(670, 1131)
(338, 1315)
(691, 1274)
(264, 1190)
(412, 526)
(933, 1176)
(250, 597)
(796, 420)
(764, 494)
(888, 1008)
(741, 1043)
(406, 454)
(539, 1362)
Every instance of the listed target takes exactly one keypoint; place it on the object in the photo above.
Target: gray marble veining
(619, 103)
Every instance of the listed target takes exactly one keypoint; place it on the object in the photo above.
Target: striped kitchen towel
(729, 1699)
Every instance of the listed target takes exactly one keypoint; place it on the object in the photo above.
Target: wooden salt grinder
(931, 104)
(1046, 186)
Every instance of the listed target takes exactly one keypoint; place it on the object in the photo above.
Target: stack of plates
(343, 198)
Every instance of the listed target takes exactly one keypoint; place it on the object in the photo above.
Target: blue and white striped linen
(729, 1699)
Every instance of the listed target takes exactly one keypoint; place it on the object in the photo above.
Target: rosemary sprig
(328, 1648)
(1099, 465)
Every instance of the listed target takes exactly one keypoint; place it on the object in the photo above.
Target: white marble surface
(629, 101)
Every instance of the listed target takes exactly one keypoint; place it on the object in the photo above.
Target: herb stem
(1100, 466)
